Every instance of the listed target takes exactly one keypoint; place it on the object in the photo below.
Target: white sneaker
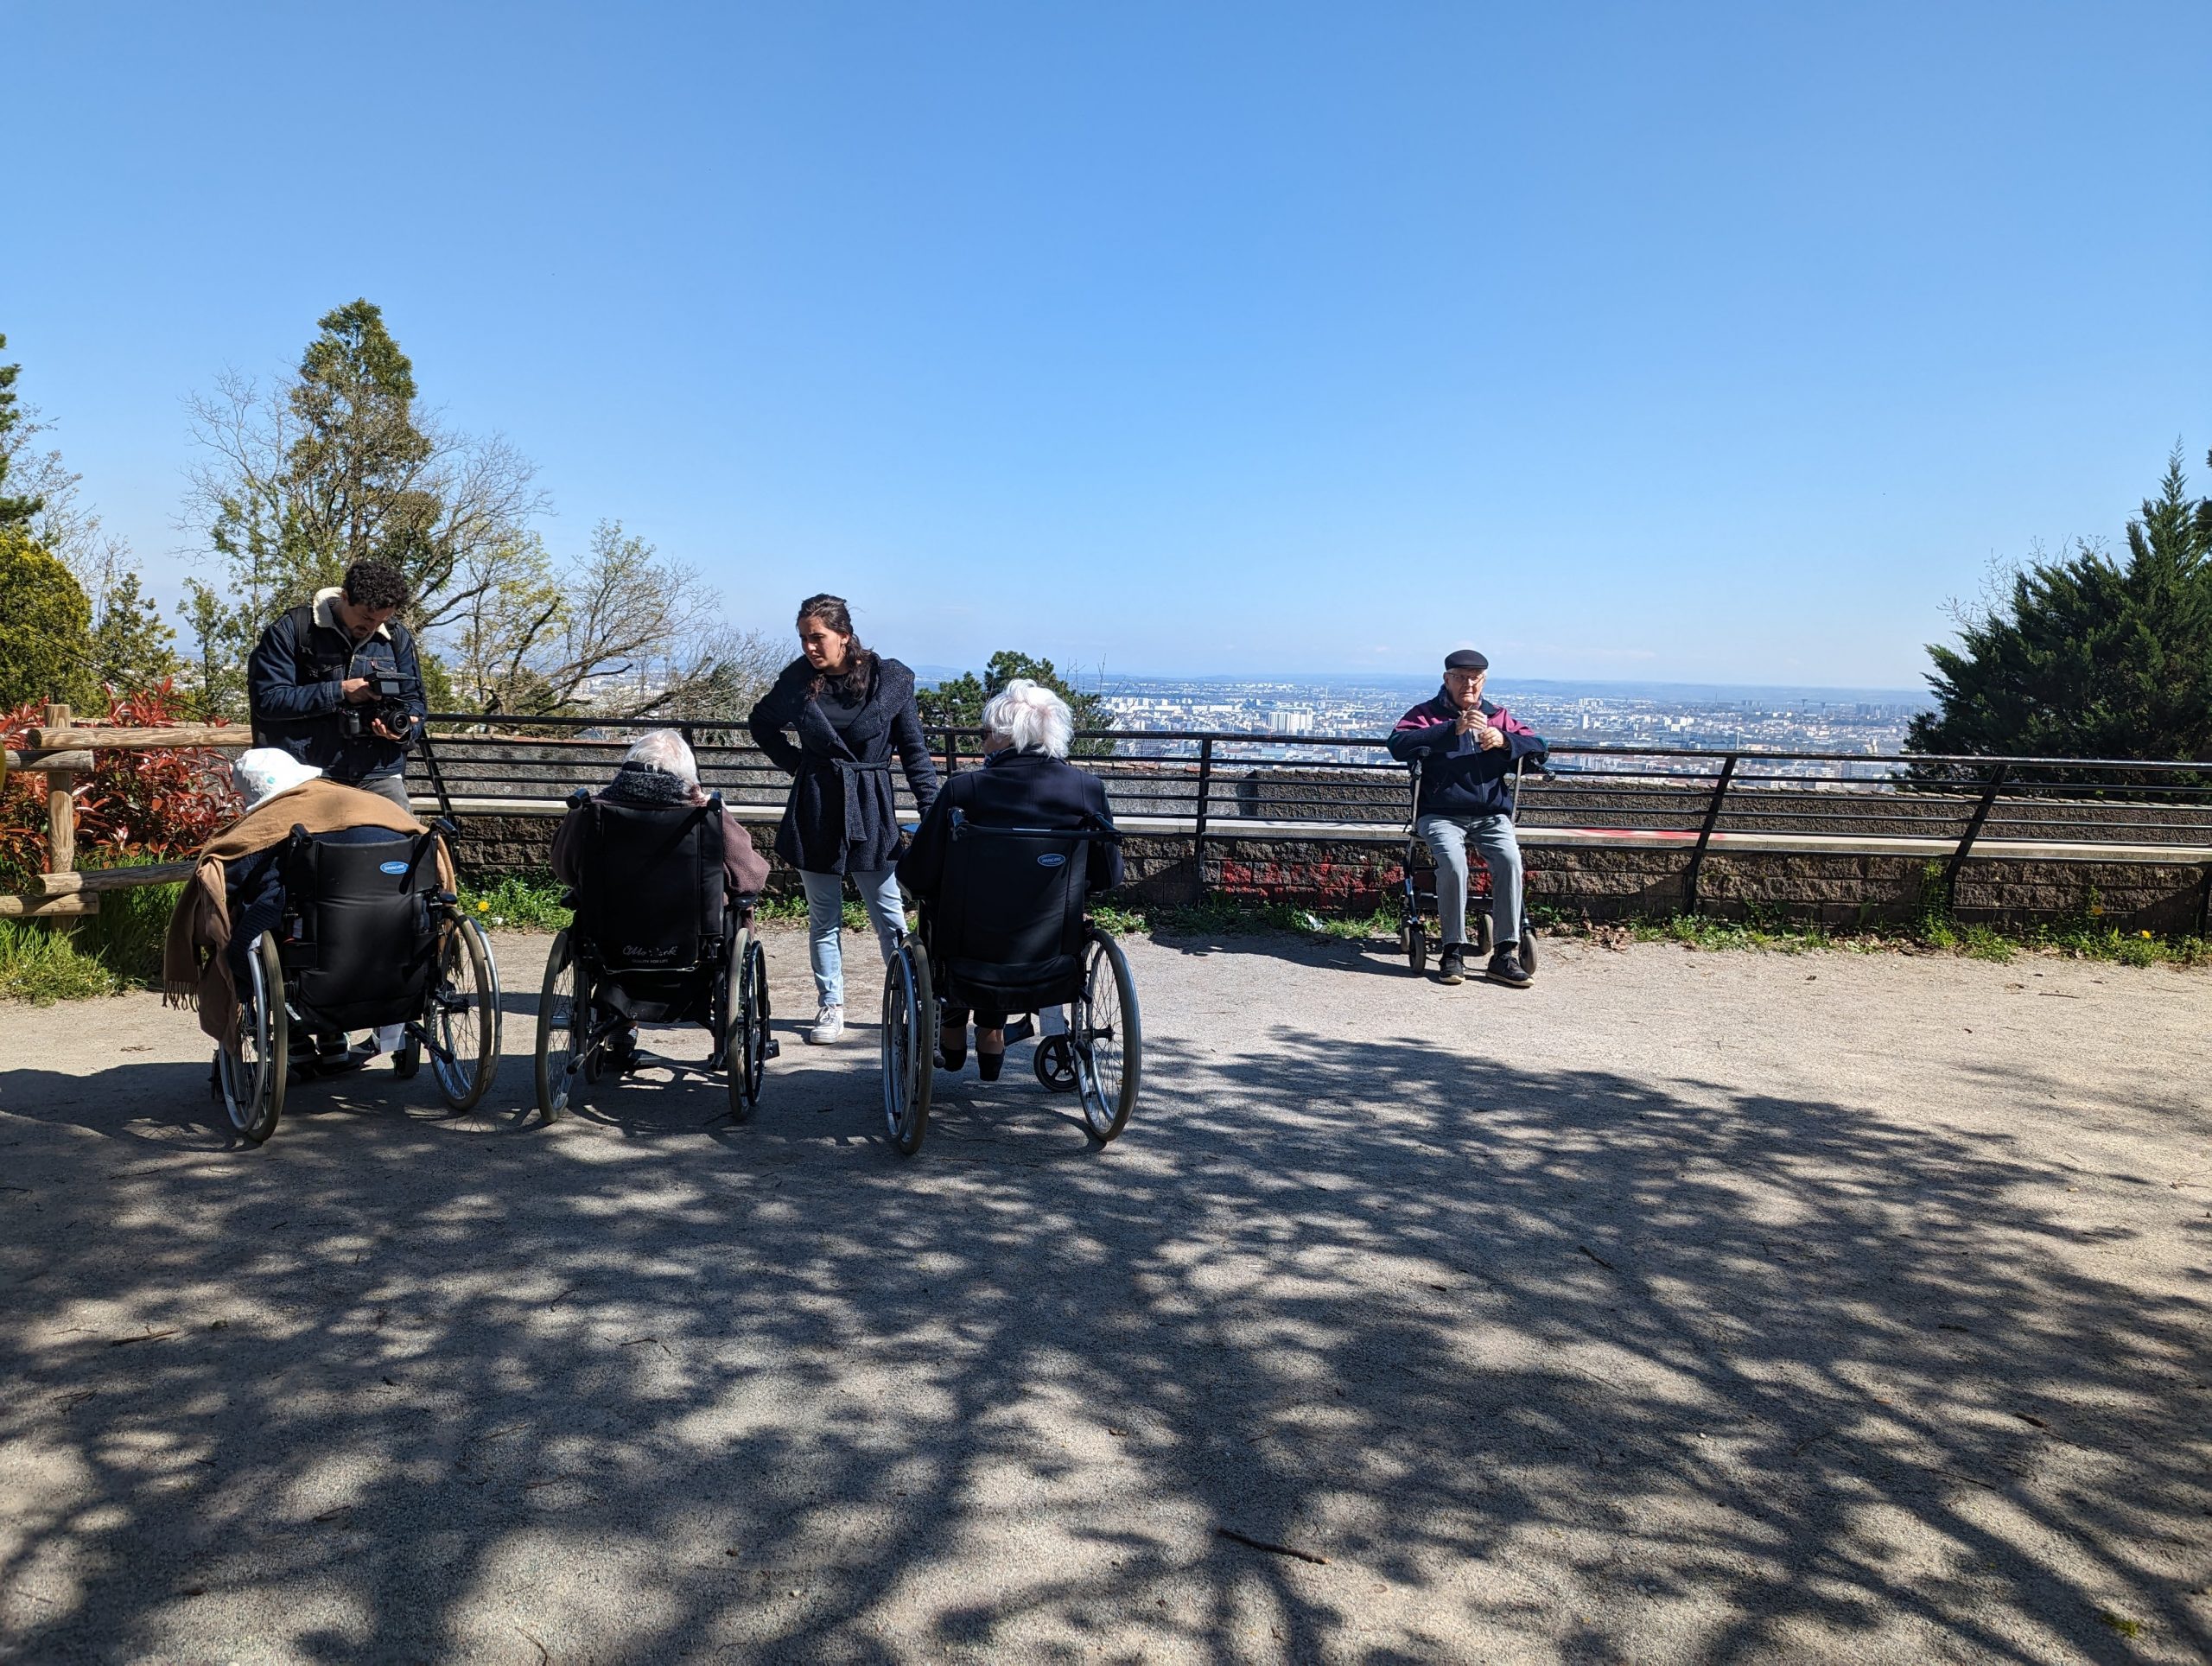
(828, 1024)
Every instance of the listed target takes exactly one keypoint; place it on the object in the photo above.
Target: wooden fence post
(60, 807)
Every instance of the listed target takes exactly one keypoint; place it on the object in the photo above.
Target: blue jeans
(825, 915)
(1447, 838)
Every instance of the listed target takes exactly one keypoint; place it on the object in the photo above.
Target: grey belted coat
(842, 817)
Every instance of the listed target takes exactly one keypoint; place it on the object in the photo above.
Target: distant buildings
(1300, 720)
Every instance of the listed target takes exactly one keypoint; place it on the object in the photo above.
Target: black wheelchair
(369, 937)
(1417, 904)
(1009, 933)
(654, 941)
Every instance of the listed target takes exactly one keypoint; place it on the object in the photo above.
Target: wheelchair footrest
(774, 1050)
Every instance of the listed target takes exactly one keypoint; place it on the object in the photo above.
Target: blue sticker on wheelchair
(1051, 859)
(391, 867)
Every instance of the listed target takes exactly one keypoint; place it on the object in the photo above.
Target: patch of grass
(42, 965)
(128, 932)
(1702, 931)
(1235, 914)
(791, 911)
(518, 902)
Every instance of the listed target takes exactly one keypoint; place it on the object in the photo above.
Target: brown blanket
(194, 971)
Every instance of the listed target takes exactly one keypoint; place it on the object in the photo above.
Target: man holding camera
(336, 684)
(1466, 747)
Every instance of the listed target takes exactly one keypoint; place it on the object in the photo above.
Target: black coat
(293, 682)
(1014, 789)
(843, 816)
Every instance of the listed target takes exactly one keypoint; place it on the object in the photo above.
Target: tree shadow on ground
(1534, 1361)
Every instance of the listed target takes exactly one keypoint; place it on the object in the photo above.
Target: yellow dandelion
(483, 907)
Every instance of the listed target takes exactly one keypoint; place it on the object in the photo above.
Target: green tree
(335, 465)
(14, 511)
(222, 637)
(959, 703)
(338, 465)
(2089, 656)
(45, 627)
(132, 649)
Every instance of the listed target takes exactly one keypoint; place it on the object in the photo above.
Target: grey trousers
(1447, 838)
(392, 786)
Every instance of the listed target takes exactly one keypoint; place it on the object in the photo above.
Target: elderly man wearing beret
(1466, 748)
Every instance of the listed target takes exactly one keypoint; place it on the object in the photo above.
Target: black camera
(386, 704)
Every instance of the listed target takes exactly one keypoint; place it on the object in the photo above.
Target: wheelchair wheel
(1056, 1064)
(745, 1052)
(1108, 1037)
(1416, 942)
(253, 1082)
(559, 1002)
(909, 1052)
(462, 1017)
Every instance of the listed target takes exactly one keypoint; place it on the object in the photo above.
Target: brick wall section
(1356, 875)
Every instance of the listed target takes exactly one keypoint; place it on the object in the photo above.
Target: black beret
(1465, 659)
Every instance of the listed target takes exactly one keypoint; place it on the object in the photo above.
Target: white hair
(667, 751)
(1031, 717)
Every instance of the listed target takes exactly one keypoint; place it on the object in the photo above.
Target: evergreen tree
(45, 627)
(959, 703)
(2088, 656)
(131, 647)
(14, 511)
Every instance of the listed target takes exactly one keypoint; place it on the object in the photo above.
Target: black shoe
(1505, 966)
(989, 1065)
(622, 1051)
(1452, 964)
(952, 1057)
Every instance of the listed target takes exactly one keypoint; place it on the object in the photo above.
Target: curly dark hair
(852, 684)
(376, 584)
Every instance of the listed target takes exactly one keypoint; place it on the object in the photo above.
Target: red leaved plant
(134, 806)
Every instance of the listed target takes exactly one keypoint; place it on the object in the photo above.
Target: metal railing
(1216, 786)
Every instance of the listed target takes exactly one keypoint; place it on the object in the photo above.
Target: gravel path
(1685, 1307)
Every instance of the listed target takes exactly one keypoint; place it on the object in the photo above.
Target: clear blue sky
(1690, 341)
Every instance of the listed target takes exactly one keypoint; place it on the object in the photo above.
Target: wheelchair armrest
(580, 798)
(445, 825)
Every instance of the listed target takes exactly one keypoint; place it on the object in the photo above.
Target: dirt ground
(1685, 1306)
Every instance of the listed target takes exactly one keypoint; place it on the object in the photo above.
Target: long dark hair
(851, 684)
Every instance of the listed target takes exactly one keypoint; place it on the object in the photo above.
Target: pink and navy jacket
(1457, 777)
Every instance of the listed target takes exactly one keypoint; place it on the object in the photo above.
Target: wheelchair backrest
(360, 939)
(1006, 931)
(649, 889)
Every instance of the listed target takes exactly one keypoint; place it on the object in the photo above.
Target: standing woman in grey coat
(850, 709)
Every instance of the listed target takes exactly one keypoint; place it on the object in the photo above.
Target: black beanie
(1465, 659)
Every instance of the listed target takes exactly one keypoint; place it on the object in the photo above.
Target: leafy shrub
(133, 807)
(46, 623)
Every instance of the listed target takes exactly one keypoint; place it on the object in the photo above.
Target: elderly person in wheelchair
(325, 909)
(1003, 866)
(663, 879)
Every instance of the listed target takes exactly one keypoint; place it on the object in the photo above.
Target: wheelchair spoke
(1105, 1039)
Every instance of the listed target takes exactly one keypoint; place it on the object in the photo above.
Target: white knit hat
(262, 773)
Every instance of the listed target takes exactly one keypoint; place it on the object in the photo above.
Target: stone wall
(1354, 875)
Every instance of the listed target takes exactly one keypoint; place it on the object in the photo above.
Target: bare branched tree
(332, 464)
(623, 632)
